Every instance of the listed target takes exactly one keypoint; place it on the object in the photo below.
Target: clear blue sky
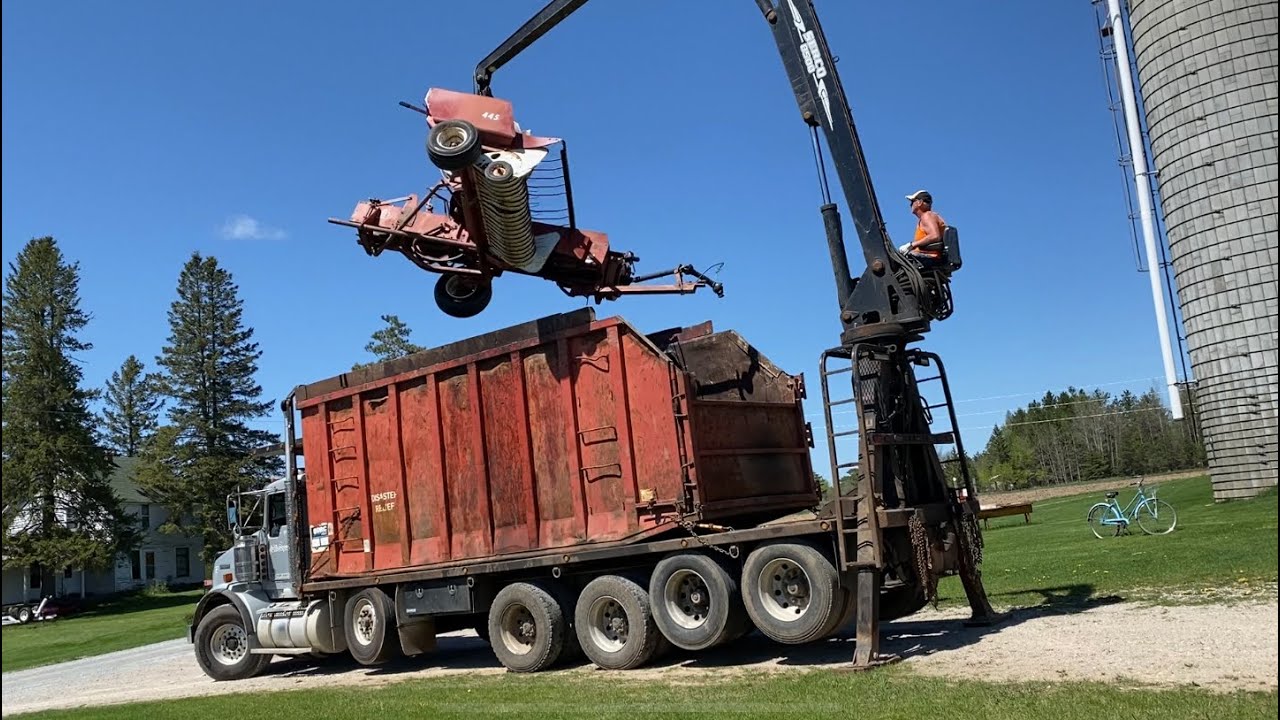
(136, 133)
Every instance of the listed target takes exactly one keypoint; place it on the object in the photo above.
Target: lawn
(118, 624)
(1219, 551)
(891, 693)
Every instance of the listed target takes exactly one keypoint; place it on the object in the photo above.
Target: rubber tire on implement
(776, 563)
(453, 145)
(549, 628)
(725, 614)
(643, 637)
(246, 667)
(383, 642)
(462, 306)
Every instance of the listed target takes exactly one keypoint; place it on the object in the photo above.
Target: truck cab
(252, 610)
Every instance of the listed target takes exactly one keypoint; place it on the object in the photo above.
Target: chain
(921, 560)
(689, 526)
(972, 539)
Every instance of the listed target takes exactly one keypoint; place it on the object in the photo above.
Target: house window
(183, 562)
(66, 573)
(135, 560)
(145, 514)
(151, 565)
(35, 573)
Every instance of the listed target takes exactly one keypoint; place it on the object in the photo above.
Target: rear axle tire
(792, 592)
(696, 602)
(614, 623)
(527, 628)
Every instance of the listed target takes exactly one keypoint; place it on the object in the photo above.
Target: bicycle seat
(1112, 494)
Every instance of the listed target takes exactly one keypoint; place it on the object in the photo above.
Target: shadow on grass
(907, 637)
(135, 602)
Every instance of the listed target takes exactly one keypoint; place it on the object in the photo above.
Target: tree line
(189, 421)
(1075, 436)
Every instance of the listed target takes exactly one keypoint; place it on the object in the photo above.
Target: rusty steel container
(555, 433)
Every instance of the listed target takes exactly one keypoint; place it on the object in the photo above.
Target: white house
(171, 558)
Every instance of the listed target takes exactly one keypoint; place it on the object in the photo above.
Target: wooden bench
(993, 511)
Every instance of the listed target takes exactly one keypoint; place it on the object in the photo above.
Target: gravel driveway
(1220, 647)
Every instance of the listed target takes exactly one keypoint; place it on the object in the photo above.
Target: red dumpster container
(559, 432)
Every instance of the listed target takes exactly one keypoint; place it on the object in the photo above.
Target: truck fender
(217, 598)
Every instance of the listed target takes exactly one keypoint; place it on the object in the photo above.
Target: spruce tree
(132, 410)
(391, 342)
(59, 508)
(209, 363)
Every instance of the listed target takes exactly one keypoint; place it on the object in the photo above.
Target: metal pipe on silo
(1137, 151)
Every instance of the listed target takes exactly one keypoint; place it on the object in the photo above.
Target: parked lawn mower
(504, 204)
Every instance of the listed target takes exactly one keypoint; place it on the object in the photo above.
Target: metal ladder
(845, 505)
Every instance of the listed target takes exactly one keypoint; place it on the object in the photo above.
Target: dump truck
(565, 484)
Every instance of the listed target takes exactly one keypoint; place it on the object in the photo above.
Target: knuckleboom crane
(899, 478)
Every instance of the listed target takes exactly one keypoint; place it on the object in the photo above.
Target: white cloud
(243, 227)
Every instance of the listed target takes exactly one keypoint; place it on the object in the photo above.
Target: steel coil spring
(504, 207)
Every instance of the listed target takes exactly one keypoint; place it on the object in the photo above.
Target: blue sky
(136, 133)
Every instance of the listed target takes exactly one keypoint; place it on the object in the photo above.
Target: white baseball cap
(921, 195)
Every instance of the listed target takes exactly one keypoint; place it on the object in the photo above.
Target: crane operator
(926, 248)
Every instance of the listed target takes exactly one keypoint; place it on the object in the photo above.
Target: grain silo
(1207, 77)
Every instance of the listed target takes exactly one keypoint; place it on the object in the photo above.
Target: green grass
(1217, 552)
(123, 622)
(893, 693)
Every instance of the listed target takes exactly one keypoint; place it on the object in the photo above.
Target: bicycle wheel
(1104, 521)
(1156, 517)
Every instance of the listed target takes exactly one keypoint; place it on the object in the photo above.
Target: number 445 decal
(491, 116)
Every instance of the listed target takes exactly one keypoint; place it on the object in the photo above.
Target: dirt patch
(1220, 647)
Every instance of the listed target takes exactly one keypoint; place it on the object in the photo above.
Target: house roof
(122, 480)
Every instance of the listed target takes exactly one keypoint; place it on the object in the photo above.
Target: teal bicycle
(1153, 515)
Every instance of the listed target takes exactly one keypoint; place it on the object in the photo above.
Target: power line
(1010, 395)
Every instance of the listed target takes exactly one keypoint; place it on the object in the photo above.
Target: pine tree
(391, 342)
(209, 363)
(59, 508)
(132, 410)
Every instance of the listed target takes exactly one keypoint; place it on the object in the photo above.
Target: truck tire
(453, 145)
(791, 591)
(527, 628)
(614, 623)
(847, 610)
(901, 601)
(370, 627)
(696, 602)
(222, 646)
(25, 614)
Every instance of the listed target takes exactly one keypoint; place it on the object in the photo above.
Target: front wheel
(1157, 517)
(1104, 521)
(222, 646)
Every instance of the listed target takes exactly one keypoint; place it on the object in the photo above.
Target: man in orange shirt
(926, 248)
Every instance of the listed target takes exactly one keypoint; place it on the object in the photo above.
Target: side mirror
(231, 515)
